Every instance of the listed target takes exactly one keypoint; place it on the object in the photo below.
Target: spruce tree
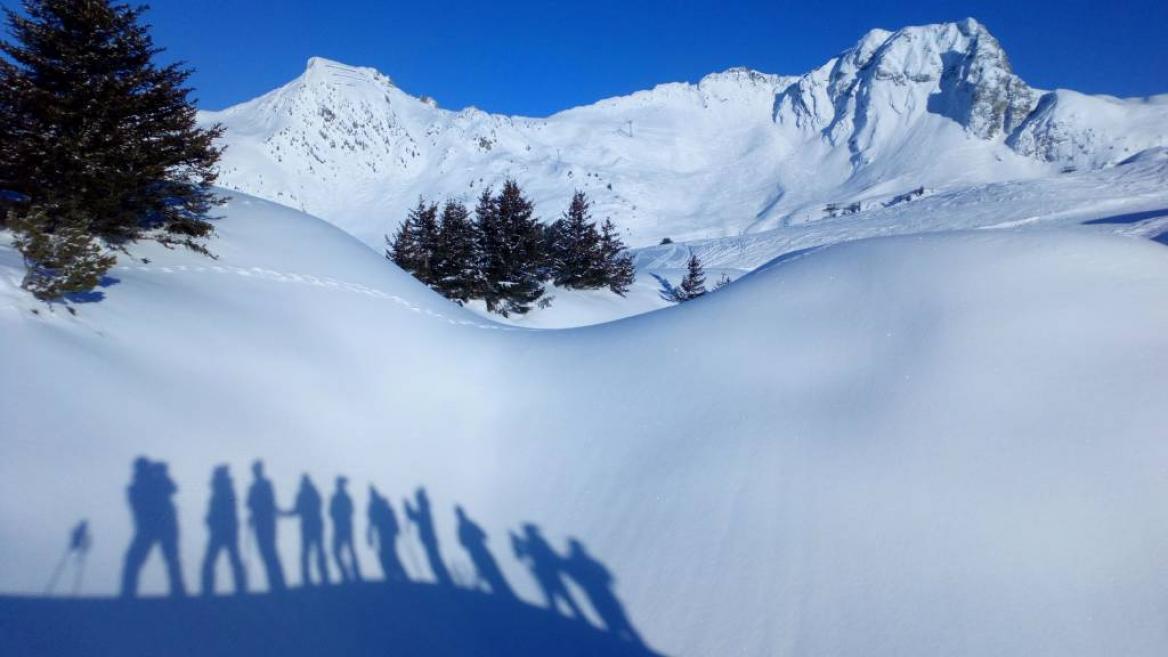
(101, 141)
(578, 262)
(487, 239)
(694, 283)
(456, 270)
(429, 246)
(618, 264)
(552, 247)
(414, 245)
(97, 128)
(512, 253)
(64, 261)
(403, 247)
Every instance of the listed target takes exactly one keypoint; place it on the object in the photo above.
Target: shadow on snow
(459, 613)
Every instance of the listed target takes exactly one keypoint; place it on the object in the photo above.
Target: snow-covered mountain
(936, 106)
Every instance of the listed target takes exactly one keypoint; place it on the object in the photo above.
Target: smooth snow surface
(948, 444)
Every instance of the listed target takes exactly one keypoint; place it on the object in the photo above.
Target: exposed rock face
(956, 70)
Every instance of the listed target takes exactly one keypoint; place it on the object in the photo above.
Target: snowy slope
(738, 152)
(929, 445)
(1129, 199)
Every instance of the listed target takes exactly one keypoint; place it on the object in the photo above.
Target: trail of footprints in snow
(315, 281)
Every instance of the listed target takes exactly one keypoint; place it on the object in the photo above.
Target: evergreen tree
(512, 255)
(101, 142)
(577, 259)
(618, 264)
(428, 243)
(64, 261)
(404, 247)
(456, 270)
(487, 239)
(694, 283)
(414, 245)
(552, 241)
(723, 281)
(96, 129)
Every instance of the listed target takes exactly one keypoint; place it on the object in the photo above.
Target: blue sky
(535, 58)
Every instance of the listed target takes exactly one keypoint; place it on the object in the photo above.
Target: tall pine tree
(619, 272)
(456, 269)
(577, 261)
(414, 246)
(694, 283)
(511, 252)
(487, 237)
(101, 141)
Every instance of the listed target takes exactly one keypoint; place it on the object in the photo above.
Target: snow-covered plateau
(928, 420)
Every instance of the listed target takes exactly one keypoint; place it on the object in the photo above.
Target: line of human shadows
(151, 499)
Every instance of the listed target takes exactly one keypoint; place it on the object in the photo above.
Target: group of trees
(98, 145)
(503, 255)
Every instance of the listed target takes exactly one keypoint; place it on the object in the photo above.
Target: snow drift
(948, 444)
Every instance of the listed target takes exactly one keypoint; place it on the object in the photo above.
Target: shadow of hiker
(223, 532)
(308, 508)
(381, 535)
(358, 619)
(596, 582)
(545, 566)
(155, 523)
(474, 541)
(261, 504)
(344, 552)
(423, 519)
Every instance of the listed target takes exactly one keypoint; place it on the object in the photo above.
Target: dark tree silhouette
(101, 142)
(694, 283)
(510, 249)
(456, 274)
(619, 272)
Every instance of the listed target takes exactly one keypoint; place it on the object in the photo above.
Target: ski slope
(942, 444)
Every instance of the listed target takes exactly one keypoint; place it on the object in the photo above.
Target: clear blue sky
(535, 58)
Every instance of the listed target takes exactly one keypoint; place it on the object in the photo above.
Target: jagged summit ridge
(738, 151)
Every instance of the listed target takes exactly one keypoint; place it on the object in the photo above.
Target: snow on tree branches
(504, 256)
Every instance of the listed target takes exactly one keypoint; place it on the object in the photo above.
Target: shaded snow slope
(930, 445)
(362, 621)
(738, 152)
